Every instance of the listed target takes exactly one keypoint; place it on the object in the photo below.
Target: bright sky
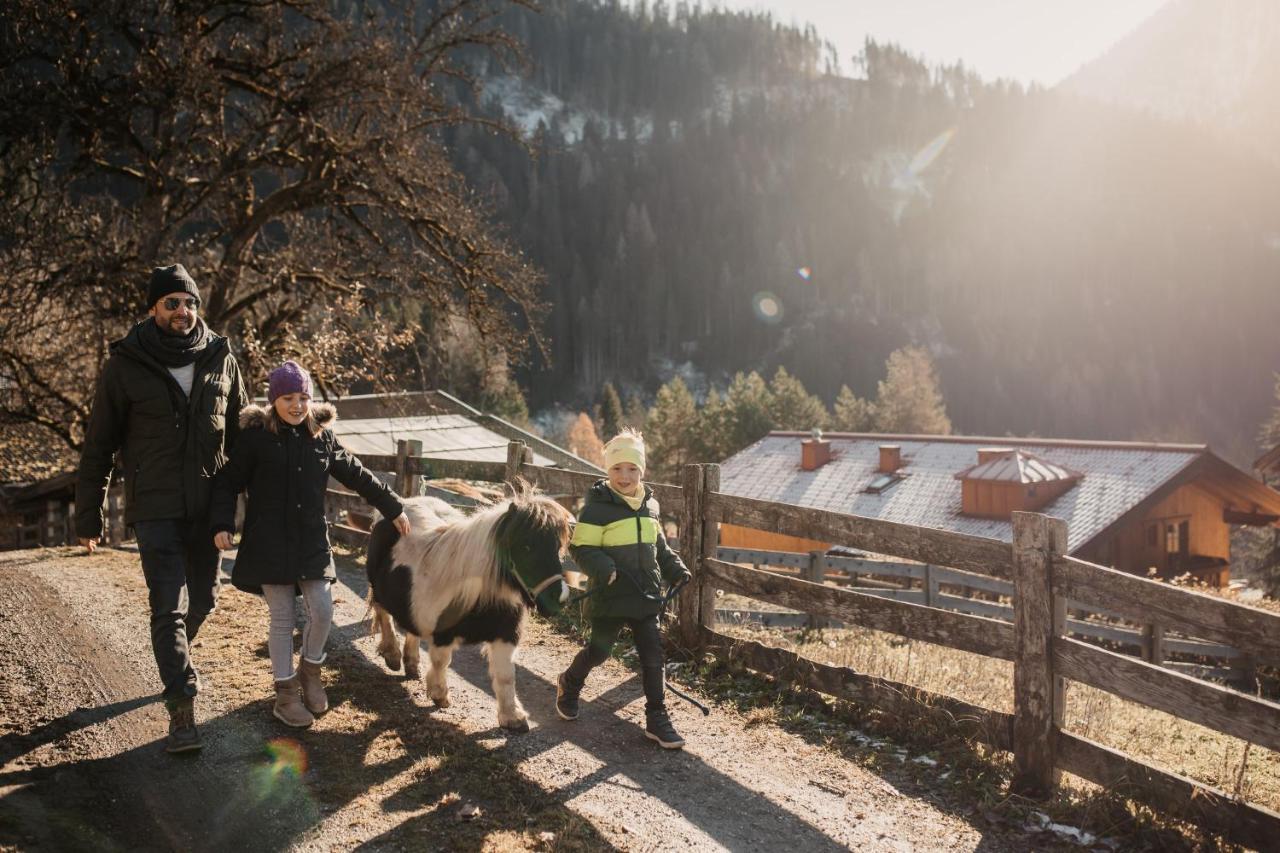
(1027, 40)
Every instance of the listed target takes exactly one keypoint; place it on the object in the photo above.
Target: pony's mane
(461, 553)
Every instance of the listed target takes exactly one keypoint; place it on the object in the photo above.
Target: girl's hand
(401, 522)
(222, 541)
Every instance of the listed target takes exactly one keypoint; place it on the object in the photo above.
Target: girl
(618, 543)
(284, 456)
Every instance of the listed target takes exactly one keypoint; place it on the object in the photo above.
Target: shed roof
(442, 436)
(30, 453)
(1117, 478)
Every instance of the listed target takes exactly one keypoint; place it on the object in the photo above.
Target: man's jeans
(181, 567)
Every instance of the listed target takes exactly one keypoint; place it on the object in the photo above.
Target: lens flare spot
(286, 757)
(768, 307)
(925, 156)
(805, 273)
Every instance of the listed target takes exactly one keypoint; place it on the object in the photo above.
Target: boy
(618, 543)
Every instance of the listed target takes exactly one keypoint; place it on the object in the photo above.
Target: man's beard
(177, 327)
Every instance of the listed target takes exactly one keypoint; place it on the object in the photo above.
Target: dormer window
(1006, 480)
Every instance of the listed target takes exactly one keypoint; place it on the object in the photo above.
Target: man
(169, 401)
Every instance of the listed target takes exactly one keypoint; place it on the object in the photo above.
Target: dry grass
(1153, 736)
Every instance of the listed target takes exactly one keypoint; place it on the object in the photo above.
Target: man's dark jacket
(611, 536)
(286, 473)
(170, 446)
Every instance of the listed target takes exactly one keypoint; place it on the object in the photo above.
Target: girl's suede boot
(289, 708)
(313, 695)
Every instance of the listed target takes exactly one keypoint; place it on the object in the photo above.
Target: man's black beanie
(170, 279)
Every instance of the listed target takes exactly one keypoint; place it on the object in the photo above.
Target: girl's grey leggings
(319, 606)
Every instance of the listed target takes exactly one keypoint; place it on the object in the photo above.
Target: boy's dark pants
(181, 567)
(604, 633)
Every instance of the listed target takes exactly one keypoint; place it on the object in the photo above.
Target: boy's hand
(222, 541)
(90, 543)
(613, 576)
(401, 523)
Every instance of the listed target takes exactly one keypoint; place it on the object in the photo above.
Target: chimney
(986, 454)
(890, 458)
(814, 452)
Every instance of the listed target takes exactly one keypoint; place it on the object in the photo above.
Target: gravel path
(81, 766)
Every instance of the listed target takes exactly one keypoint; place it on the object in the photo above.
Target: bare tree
(289, 152)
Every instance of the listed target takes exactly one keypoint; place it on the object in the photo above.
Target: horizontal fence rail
(842, 570)
(956, 630)
(1249, 629)
(923, 544)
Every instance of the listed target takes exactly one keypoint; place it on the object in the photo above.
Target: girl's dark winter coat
(285, 537)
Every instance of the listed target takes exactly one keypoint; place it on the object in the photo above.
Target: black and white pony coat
(467, 579)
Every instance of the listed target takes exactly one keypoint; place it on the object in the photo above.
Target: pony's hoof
(393, 663)
(411, 670)
(520, 725)
(441, 699)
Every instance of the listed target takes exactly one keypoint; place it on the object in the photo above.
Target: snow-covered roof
(1116, 477)
(442, 436)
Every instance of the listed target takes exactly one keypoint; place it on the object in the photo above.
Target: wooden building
(1165, 509)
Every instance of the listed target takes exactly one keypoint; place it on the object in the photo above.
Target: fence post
(518, 453)
(691, 539)
(116, 515)
(407, 478)
(931, 586)
(816, 572)
(1153, 644)
(1037, 694)
(710, 544)
(48, 535)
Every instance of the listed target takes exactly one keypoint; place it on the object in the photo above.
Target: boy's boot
(289, 708)
(313, 695)
(657, 726)
(567, 691)
(182, 736)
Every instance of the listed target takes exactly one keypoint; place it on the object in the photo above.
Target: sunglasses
(172, 303)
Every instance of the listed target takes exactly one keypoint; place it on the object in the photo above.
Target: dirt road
(81, 766)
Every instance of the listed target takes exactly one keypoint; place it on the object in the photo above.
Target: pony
(467, 579)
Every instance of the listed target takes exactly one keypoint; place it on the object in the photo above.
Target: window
(882, 482)
(1175, 537)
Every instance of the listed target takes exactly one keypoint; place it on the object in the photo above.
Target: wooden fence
(57, 523)
(1038, 642)
(1149, 641)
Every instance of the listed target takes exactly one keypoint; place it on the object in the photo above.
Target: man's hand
(613, 576)
(90, 544)
(222, 541)
(401, 522)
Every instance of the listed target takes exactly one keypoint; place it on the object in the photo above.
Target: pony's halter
(531, 595)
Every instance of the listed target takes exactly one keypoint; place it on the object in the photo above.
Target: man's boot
(313, 695)
(289, 708)
(658, 727)
(567, 697)
(182, 736)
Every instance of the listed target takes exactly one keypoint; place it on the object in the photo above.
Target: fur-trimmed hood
(254, 415)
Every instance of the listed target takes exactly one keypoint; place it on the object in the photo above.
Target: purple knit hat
(288, 378)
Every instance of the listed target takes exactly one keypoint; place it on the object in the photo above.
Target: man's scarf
(173, 350)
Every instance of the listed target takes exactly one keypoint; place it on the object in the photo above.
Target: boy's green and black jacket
(610, 536)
